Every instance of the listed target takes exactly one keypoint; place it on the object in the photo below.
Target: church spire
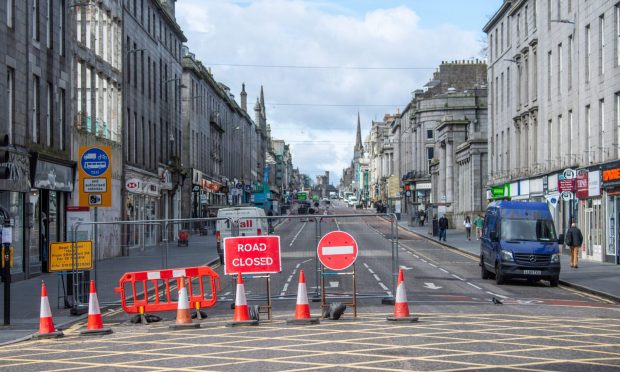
(358, 150)
(358, 136)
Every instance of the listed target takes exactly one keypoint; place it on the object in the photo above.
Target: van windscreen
(531, 230)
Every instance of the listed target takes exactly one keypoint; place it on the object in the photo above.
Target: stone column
(449, 172)
(442, 172)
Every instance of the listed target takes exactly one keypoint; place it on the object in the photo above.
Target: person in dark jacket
(574, 239)
(443, 226)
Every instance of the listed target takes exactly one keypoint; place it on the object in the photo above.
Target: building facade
(553, 105)
(37, 171)
(97, 104)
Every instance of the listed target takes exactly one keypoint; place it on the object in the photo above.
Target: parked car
(251, 221)
(519, 241)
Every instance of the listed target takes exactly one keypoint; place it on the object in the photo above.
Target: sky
(321, 62)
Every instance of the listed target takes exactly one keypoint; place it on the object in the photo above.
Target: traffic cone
(184, 318)
(242, 314)
(302, 308)
(46, 323)
(401, 306)
(95, 321)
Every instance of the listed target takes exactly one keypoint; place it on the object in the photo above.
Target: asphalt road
(535, 328)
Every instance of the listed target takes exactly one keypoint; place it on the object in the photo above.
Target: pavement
(598, 278)
(26, 294)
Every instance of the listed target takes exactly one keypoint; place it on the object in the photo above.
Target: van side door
(486, 244)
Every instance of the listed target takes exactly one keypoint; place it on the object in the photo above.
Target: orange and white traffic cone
(401, 306)
(302, 308)
(46, 323)
(242, 313)
(95, 321)
(184, 318)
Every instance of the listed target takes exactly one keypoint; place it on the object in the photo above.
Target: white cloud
(317, 33)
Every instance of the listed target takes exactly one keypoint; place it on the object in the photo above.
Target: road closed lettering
(252, 255)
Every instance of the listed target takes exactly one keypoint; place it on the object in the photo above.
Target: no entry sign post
(337, 251)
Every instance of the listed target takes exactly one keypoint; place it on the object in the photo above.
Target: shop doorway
(592, 230)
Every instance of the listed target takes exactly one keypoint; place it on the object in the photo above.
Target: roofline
(496, 17)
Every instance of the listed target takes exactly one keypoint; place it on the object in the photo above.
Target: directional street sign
(337, 250)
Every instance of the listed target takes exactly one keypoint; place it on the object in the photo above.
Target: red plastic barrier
(157, 297)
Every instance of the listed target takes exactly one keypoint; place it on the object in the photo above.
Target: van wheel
(484, 273)
(553, 282)
(499, 276)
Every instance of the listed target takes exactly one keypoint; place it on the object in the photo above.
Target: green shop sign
(500, 192)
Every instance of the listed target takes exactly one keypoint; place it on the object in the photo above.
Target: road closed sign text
(252, 255)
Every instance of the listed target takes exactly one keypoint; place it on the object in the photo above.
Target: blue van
(519, 241)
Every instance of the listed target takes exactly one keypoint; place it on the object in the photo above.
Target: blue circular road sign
(94, 162)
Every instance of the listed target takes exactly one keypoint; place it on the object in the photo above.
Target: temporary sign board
(337, 250)
(252, 255)
(95, 176)
(61, 256)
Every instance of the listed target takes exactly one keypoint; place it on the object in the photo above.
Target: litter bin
(435, 227)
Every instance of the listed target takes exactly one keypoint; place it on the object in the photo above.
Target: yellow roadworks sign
(60, 257)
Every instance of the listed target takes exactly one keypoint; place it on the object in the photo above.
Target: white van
(248, 224)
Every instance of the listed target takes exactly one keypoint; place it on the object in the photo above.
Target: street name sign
(337, 250)
(252, 255)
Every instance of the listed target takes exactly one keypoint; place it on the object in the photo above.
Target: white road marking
(444, 270)
(423, 260)
(496, 295)
(405, 267)
(385, 288)
(416, 256)
(226, 294)
(473, 285)
(289, 279)
(432, 286)
(296, 235)
(285, 288)
(458, 277)
(432, 264)
(297, 267)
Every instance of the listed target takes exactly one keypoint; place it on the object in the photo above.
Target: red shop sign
(582, 184)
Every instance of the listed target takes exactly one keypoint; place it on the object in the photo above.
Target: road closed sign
(252, 255)
(337, 250)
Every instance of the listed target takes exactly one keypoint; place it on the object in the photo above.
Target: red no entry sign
(252, 255)
(337, 250)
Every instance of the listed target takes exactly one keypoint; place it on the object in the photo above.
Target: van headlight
(506, 255)
(555, 258)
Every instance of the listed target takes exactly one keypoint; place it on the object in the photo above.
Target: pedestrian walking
(574, 239)
(478, 223)
(422, 216)
(467, 224)
(443, 226)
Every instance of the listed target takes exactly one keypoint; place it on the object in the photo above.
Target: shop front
(52, 183)
(142, 204)
(15, 188)
(611, 189)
